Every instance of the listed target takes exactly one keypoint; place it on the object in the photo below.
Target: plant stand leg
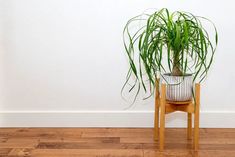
(156, 122)
(189, 130)
(196, 117)
(162, 118)
(156, 118)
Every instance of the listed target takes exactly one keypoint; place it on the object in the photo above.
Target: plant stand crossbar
(165, 106)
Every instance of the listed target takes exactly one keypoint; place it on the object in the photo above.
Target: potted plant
(174, 46)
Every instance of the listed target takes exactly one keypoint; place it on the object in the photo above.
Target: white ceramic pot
(179, 88)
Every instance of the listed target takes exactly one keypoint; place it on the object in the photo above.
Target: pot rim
(185, 75)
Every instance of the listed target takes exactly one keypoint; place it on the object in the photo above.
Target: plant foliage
(167, 42)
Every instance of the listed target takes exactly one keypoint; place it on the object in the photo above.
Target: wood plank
(37, 133)
(75, 145)
(87, 153)
(120, 133)
(166, 153)
(19, 143)
(4, 151)
(151, 140)
(19, 152)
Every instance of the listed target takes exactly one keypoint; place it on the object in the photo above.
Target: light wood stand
(191, 107)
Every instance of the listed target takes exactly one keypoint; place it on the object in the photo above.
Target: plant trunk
(176, 71)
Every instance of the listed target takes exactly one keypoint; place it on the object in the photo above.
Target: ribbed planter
(179, 88)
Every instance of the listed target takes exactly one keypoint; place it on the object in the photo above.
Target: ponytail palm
(175, 42)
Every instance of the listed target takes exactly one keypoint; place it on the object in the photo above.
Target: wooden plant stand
(168, 107)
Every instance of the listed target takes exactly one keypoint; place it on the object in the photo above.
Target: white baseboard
(208, 119)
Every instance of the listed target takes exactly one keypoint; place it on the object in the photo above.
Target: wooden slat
(178, 102)
(170, 108)
(186, 108)
(183, 107)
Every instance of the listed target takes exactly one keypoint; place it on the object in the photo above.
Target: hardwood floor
(112, 142)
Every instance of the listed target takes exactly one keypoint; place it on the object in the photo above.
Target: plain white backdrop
(62, 63)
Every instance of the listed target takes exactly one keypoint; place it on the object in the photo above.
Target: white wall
(63, 63)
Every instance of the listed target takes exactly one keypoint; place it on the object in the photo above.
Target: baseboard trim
(208, 119)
